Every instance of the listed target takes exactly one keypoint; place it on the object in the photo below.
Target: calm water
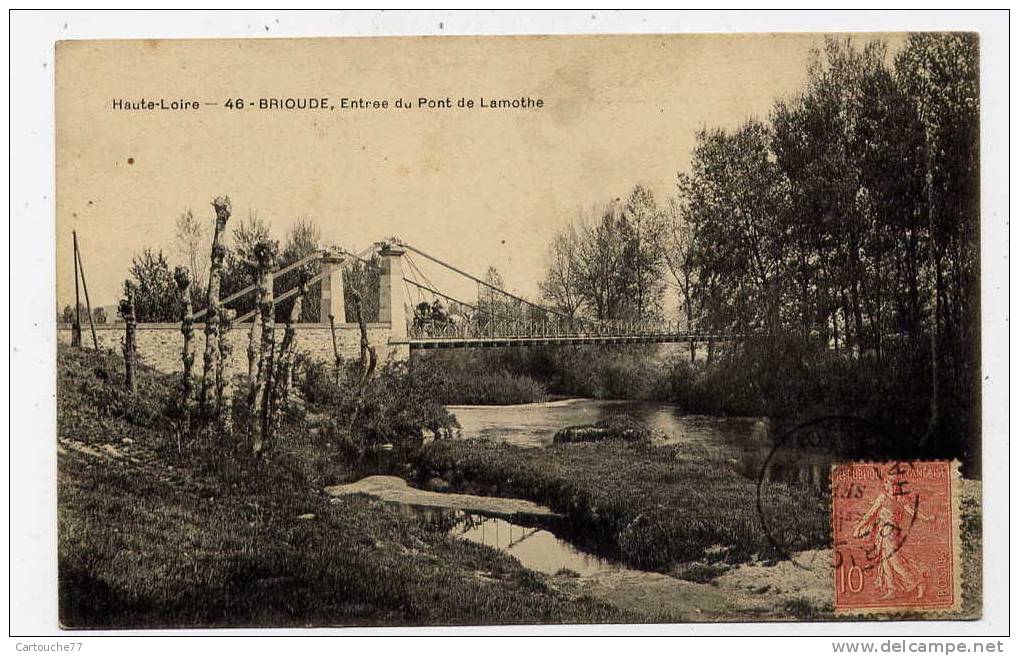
(746, 441)
(535, 424)
(535, 546)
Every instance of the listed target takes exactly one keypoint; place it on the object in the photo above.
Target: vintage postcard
(488, 330)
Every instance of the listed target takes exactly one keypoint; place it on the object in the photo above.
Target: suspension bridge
(496, 318)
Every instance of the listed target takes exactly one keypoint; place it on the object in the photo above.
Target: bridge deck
(495, 341)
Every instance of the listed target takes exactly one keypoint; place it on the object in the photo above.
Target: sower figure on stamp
(897, 571)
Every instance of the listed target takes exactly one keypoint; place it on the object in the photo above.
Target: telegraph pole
(76, 327)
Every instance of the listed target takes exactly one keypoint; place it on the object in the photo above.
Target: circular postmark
(794, 484)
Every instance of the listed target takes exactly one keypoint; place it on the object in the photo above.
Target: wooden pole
(127, 311)
(88, 305)
(76, 327)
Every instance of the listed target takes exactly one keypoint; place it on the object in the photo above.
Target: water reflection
(534, 546)
(535, 424)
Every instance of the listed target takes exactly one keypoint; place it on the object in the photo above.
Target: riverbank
(687, 521)
(147, 539)
(785, 378)
(652, 507)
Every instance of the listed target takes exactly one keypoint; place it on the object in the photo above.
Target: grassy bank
(149, 538)
(654, 507)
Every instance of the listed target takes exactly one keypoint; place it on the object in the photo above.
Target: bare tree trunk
(368, 358)
(932, 258)
(263, 375)
(254, 339)
(187, 331)
(284, 374)
(76, 326)
(224, 388)
(835, 327)
(127, 311)
(187, 354)
(688, 303)
(336, 350)
(854, 297)
(212, 316)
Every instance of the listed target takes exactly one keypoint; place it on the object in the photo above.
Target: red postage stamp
(895, 529)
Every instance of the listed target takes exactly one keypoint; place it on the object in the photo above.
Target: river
(546, 545)
(747, 441)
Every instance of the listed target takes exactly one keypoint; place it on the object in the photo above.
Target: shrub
(615, 427)
(396, 406)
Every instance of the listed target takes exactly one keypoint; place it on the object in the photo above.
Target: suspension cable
(485, 284)
(438, 293)
(421, 297)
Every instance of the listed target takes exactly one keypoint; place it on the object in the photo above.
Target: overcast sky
(475, 187)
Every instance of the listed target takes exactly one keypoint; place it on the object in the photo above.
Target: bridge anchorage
(497, 318)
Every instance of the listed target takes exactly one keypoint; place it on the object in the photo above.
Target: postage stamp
(895, 529)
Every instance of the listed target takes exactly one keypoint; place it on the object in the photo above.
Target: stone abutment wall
(160, 344)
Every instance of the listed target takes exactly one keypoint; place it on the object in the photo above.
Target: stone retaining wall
(160, 344)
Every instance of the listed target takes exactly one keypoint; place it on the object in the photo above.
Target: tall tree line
(852, 216)
(848, 219)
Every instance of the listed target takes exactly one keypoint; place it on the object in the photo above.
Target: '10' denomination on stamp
(895, 529)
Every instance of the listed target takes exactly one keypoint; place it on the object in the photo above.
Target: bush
(479, 379)
(615, 427)
(528, 375)
(397, 405)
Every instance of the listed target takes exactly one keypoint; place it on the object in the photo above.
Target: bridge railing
(499, 328)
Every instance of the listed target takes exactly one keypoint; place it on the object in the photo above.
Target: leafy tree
(493, 306)
(940, 74)
(362, 277)
(303, 239)
(601, 256)
(240, 267)
(679, 260)
(67, 314)
(736, 198)
(643, 264)
(153, 287)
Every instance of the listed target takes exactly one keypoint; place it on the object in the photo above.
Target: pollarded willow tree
(212, 355)
(260, 393)
(129, 346)
(187, 322)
